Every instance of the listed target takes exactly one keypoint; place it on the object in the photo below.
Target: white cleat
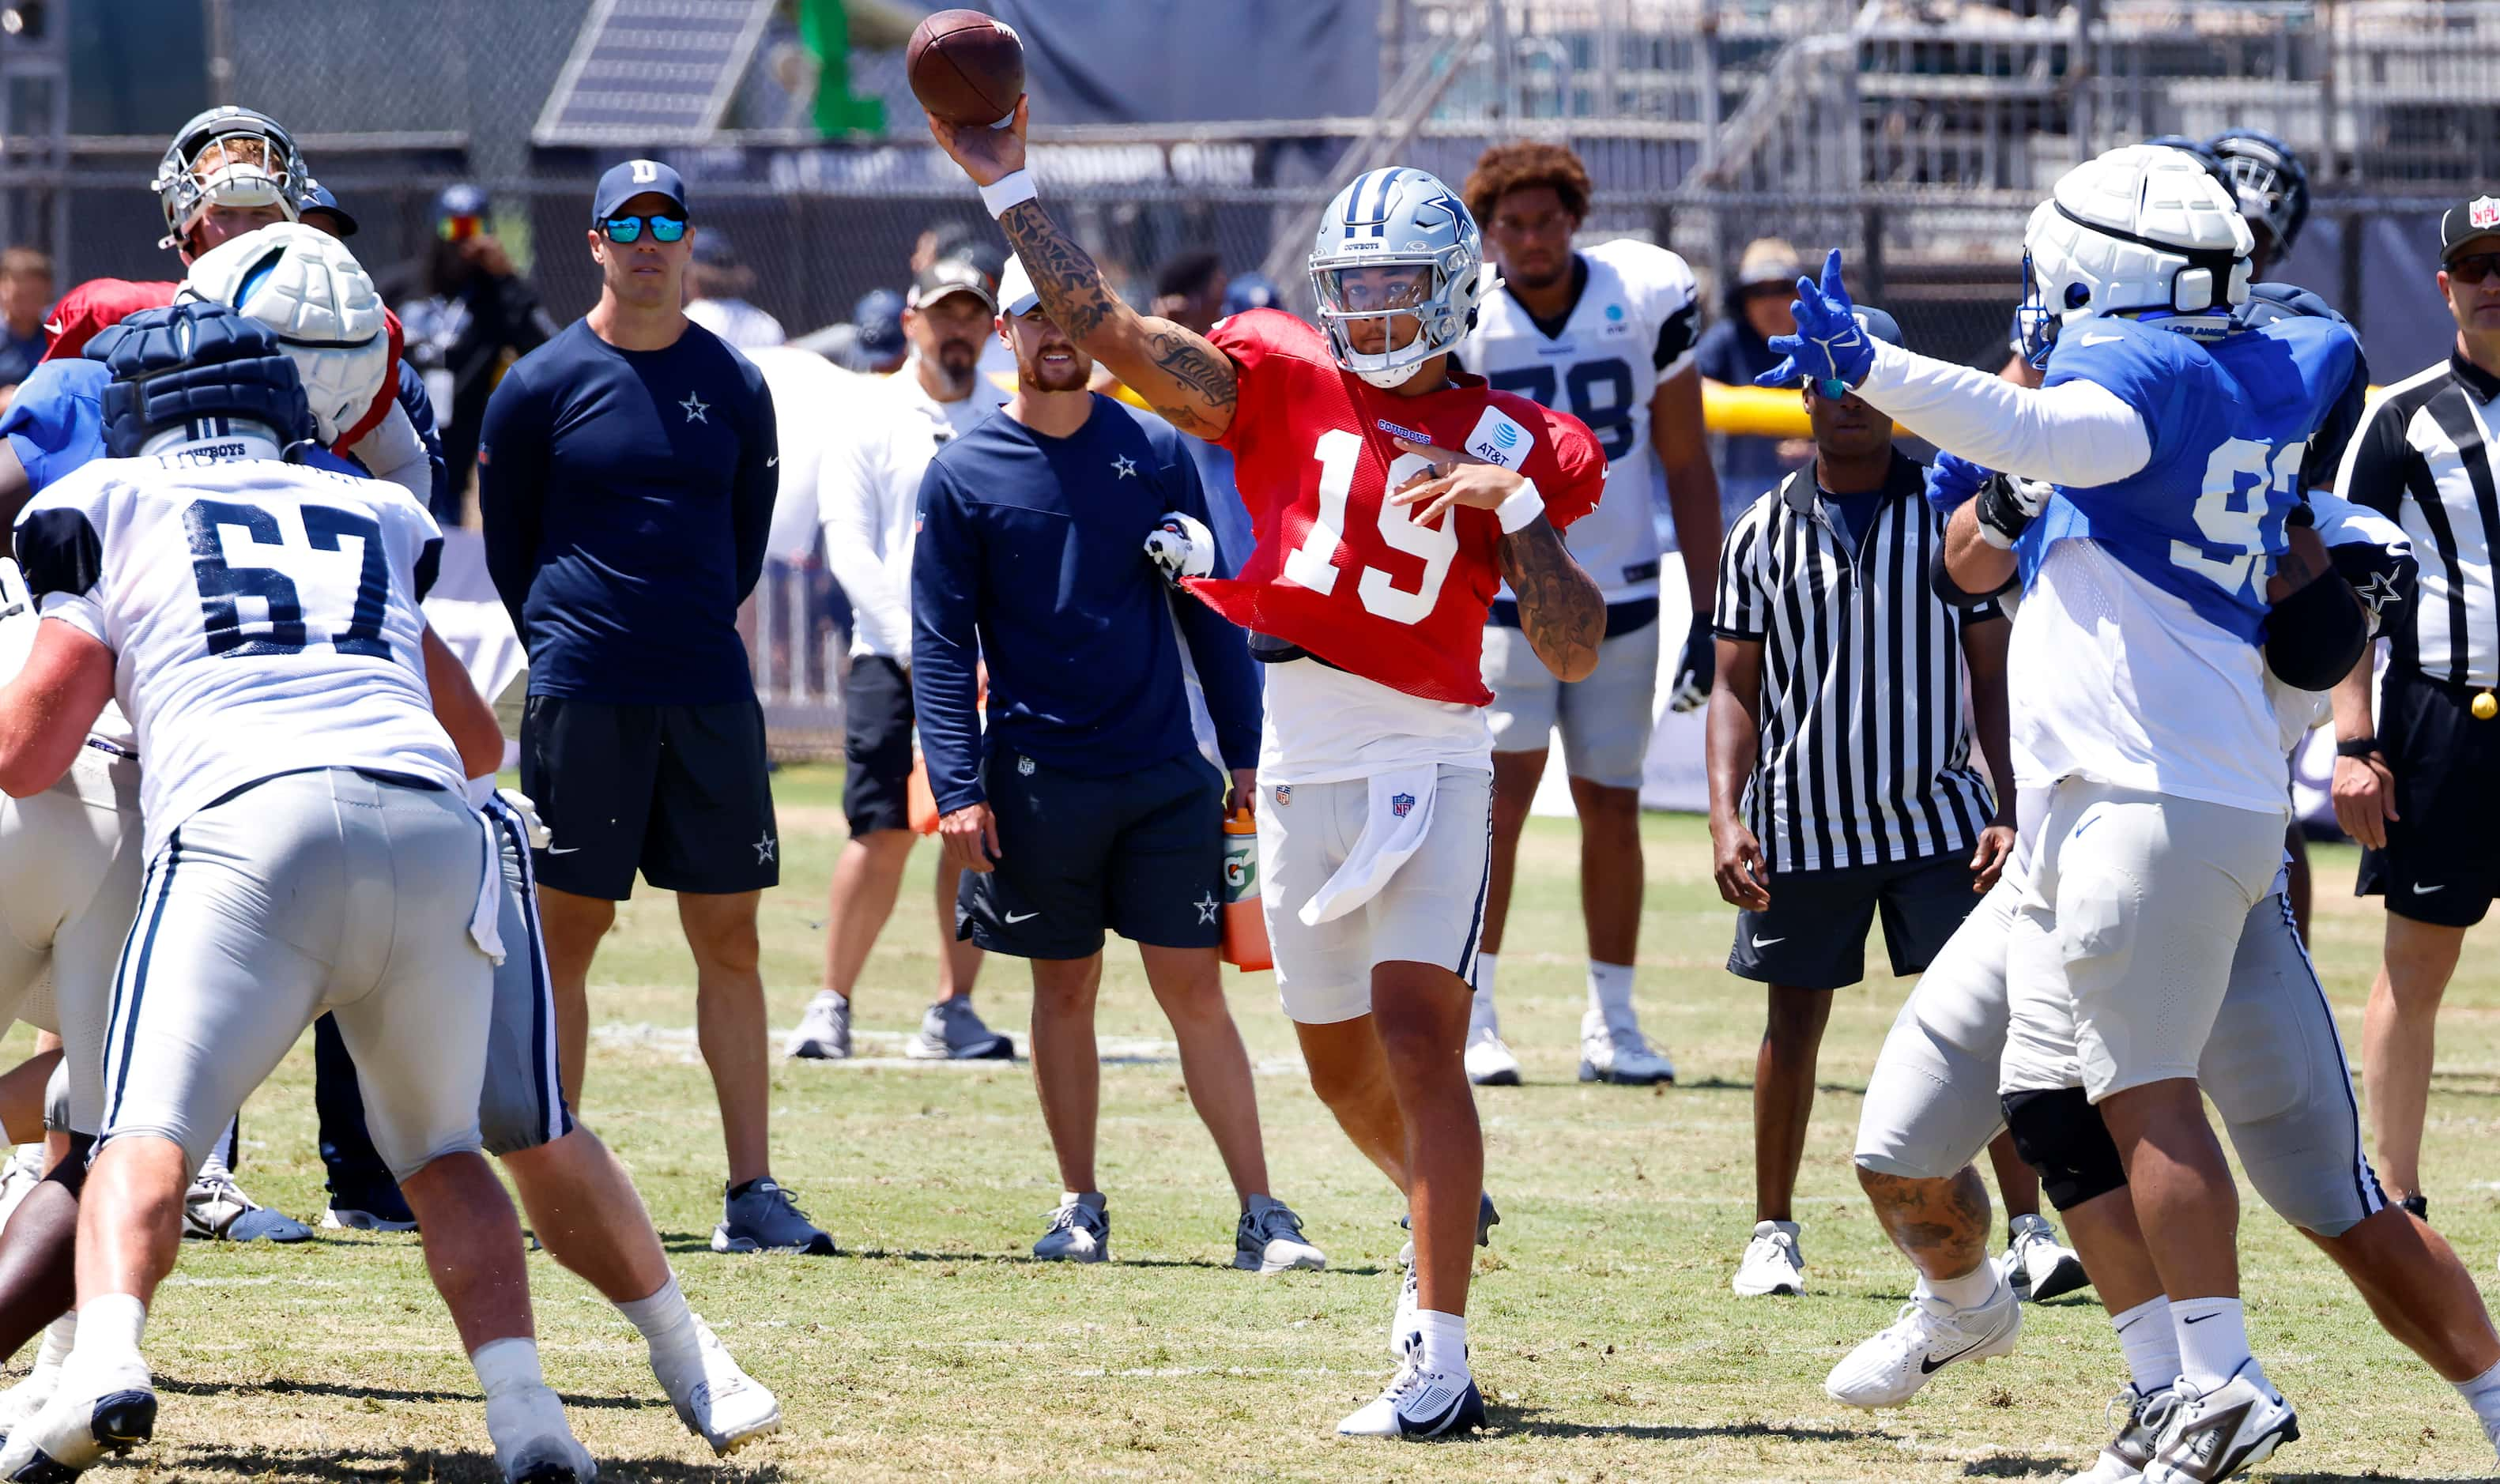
(1079, 1232)
(31, 1395)
(2236, 1427)
(1489, 1062)
(1269, 1239)
(1772, 1263)
(1622, 1056)
(1888, 1367)
(82, 1422)
(1420, 1404)
(534, 1445)
(718, 1401)
(2040, 1267)
(2124, 1457)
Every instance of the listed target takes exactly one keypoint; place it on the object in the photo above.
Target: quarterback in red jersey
(1390, 494)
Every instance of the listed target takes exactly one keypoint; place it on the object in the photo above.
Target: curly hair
(1525, 163)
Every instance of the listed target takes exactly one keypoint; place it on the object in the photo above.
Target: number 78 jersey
(1339, 570)
(263, 616)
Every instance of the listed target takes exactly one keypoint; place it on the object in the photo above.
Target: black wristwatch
(2358, 747)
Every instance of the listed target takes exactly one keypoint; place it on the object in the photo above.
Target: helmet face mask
(1394, 247)
(228, 156)
(2269, 181)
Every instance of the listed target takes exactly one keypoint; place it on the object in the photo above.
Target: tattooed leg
(1941, 1226)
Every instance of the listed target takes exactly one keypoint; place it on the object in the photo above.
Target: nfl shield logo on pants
(1399, 803)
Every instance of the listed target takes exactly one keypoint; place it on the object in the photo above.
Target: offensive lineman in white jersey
(308, 843)
(1605, 334)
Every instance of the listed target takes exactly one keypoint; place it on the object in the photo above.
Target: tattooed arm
(1181, 376)
(1559, 608)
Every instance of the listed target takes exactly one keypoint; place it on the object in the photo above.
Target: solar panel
(651, 72)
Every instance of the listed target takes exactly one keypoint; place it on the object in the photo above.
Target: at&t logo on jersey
(1499, 439)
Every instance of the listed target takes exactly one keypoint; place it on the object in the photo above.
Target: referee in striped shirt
(2420, 788)
(1841, 783)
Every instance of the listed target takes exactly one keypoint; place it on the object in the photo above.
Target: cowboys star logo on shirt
(1401, 805)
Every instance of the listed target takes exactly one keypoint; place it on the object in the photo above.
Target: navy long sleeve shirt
(1032, 553)
(626, 497)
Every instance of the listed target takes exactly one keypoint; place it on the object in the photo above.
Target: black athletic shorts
(1814, 937)
(876, 745)
(2442, 864)
(1140, 854)
(679, 792)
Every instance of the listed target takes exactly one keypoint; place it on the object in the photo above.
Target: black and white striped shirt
(1866, 744)
(2424, 459)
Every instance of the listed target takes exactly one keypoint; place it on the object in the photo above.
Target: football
(966, 67)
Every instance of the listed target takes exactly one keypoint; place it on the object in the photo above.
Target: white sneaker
(2235, 1426)
(534, 1445)
(1888, 1367)
(1622, 1056)
(1269, 1239)
(1489, 1062)
(1079, 1232)
(1418, 1403)
(2040, 1267)
(1772, 1264)
(2124, 1457)
(110, 1411)
(717, 1401)
(824, 1032)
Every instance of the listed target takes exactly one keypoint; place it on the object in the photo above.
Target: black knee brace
(2061, 1137)
(71, 1173)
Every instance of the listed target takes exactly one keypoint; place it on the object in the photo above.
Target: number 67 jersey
(263, 616)
(1339, 570)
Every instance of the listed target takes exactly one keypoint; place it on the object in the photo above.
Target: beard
(1079, 373)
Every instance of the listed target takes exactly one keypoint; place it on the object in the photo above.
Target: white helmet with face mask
(1398, 219)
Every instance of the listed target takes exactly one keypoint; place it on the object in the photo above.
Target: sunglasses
(459, 229)
(622, 230)
(2474, 267)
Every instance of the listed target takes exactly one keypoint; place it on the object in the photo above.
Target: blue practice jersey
(55, 424)
(2229, 423)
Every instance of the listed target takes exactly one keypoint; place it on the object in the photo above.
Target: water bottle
(1245, 930)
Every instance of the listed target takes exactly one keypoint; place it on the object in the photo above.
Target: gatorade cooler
(1245, 931)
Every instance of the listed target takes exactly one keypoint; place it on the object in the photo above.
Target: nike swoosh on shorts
(1014, 917)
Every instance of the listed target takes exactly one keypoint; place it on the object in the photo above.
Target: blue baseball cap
(319, 199)
(878, 315)
(459, 199)
(1880, 325)
(623, 183)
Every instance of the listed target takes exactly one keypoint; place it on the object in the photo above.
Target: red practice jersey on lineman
(101, 302)
(1338, 568)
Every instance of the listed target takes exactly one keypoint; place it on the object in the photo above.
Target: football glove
(526, 809)
(1828, 345)
(2006, 508)
(1181, 546)
(1954, 481)
(1697, 671)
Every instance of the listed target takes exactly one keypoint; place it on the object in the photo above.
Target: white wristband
(1007, 192)
(1519, 509)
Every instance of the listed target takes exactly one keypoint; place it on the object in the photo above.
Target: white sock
(215, 1164)
(1971, 1290)
(2146, 1336)
(1445, 1341)
(60, 1336)
(667, 1324)
(2482, 1393)
(1481, 1016)
(1610, 995)
(110, 1326)
(506, 1366)
(2213, 1341)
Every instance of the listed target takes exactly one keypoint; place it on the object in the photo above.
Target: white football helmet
(1395, 218)
(309, 289)
(2142, 230)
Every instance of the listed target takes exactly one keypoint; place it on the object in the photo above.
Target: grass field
(1603, 1330)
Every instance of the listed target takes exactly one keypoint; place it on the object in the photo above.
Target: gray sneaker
(1269, 1239)
(824, 1032)
(763, 1218)
(1080, 1230)
(952, 1032)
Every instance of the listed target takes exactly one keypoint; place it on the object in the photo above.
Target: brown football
(966, 67)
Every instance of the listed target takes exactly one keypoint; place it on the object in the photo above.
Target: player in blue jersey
(2146, 751)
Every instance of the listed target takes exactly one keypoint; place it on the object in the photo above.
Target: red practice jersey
(101, 302)
(1339, 570)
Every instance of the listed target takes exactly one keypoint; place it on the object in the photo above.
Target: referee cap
(2464, 222)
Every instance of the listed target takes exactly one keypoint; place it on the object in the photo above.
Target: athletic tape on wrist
(1519, 509)
(1007, 192)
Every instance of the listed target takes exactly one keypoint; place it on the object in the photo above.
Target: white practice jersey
(19, 619)
(1635, 324)
(263, 616)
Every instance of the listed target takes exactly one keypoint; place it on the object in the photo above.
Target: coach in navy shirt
(1086, 806)
(626, 474)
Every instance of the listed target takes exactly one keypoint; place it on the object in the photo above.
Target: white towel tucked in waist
(1400, 814)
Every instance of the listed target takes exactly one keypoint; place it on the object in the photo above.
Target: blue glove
(1828, 345)
(1954, 481)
